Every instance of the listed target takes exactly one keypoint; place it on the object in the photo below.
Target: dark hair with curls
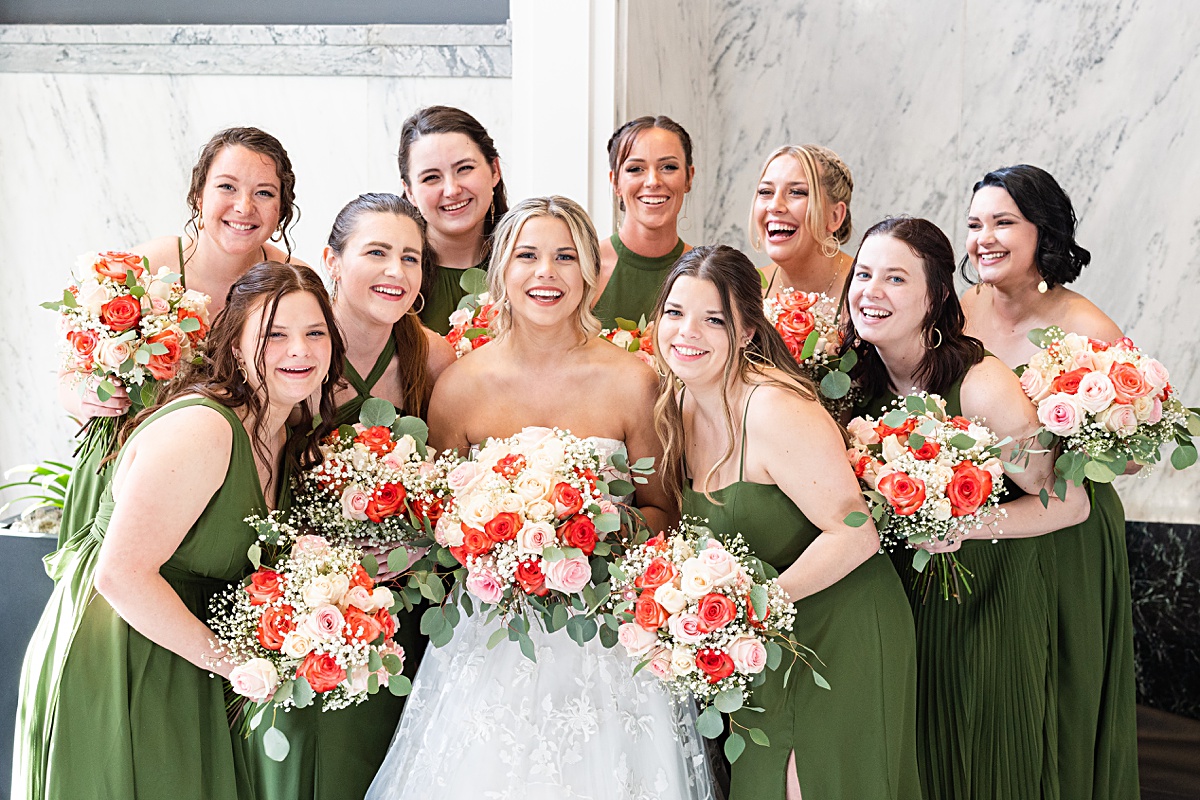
(740, 288)
(1059, 258)
(949, 352)
(446, 119)
(253, 297)
(621, 142)
(259, 142)
(412, 348)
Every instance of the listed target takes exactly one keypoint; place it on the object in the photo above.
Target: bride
(576, 723)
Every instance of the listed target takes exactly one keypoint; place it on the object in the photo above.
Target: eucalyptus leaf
(370, 564)
(728, 701)
(810, 345)
(916, 441)
(620, 488)
(499, 635)
(411, 426)
(962, 441)
(446, 558)
(758, 600)
(397, 560)
(819, 680)
(894, 418)
(376, 411)
(920, 559)
(399, 685)
(644, 464)
(735, 745)
(527, 647)
(189, 324)
(915, 404)
(275, 744)
(474, 281)
(1099, 472)
(105, 390)
(759, 737)
(709, 724)
(432, 621)
(254, 553)
(774, 655)
(374, 662)
(257, 719)
(835, 385)
(442, 637)
(1183, 457)
(302, 693)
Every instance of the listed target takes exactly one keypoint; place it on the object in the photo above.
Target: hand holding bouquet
(707, 619)
(929, 479)
(309, 623)
(1109, 403)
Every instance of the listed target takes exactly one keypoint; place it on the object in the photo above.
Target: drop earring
(1043, 287)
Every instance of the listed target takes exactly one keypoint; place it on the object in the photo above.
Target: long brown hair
(256, 141)
(219, 379)
(949, 352)
(738, 284)
(412, 348)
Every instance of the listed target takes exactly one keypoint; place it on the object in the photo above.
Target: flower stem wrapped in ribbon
(708, 619)
(928, 478)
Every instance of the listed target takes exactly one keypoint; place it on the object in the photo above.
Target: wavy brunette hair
(254, 297)
(412, 348)
(949, 352)
(738, 284)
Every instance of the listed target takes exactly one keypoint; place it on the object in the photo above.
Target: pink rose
(660, 663)
(485, 585)
(158, 305)
(359, 597)
(1035, 384)
(462, 475)
(447, 532)
(748, 654)
(687, 628)
(535, 537)
(568, 575)
(1084, 359)
(325, 622)
(1120, 419)
(719, 561)
(309, 545)
(112, 354)
(863, 432)
(1061, 414)
(354, 502)
(1096, 392)
(1155, 374)
(635, 639)
(1156, 412)
(256, 680)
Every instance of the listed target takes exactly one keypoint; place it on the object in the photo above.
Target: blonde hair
(583, 234)
(829, 182)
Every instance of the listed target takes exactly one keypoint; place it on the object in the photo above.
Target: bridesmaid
(375, 254)
(1021, 243)
(800, 216)
(117, 698)
(755, 453)
(242, 194)
(650, 169)
(985, 691)
(451, 172)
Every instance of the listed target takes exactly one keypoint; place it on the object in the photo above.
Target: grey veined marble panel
(338, 50)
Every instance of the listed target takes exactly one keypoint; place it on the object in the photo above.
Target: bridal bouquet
(706, 618)
(120, 322)
(1110, 403)
(309, 622)
(807, 322)
(359, 493)
(527, 518)
(469, 322)
(928, 477)
(637, 338)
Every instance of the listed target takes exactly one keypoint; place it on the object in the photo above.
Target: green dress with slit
(858, 738)
(335, 754)
(986, 690)
(634, 284)
(106, 713)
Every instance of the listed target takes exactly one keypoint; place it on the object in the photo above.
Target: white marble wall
(922, 99)
(94, 160)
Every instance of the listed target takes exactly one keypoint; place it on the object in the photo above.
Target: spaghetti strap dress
(634, 284)
(90, 474)
(335, 754)
(987, 701)
(106, 713)
(858, 738)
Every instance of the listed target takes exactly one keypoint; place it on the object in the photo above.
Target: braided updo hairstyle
(824, 169)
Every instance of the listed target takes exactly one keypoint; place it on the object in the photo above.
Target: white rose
(510, 503)
(994, 467)
(478, 511)
(318, 592)
(339, 584)
(460, 317)
(356, 679)
(92, 296)
(671, 599)
(683, 661)
(696, 579)
(892, 449)
(1104, 360)
(405, 447)
(298, 644)
(1095, 392)
(532, 486)
(1073, 343)
(1143, 407)
(447, 532)
(382, 597)
(941, 509)
(159, 289)
(622, 339)
(359, 597)
(111, 353)
(548, 457)
(540, 511)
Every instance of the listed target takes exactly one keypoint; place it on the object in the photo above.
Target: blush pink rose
(485, 585)
(354, 502)
(635, 639)
(749, 655)
(325, 622)
(1155, 374)
(1061, 414)
(310, 545)
(863, 431)
(256, 680)
(1096, 392)
(687, 628)
(568, 575)
(1120, 419)
(659, 664)
(719, 561)
(462, 475)
(1035, 385)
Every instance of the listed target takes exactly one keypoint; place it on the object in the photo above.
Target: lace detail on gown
(574, 724)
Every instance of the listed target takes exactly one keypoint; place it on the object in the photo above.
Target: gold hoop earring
(929, 337)
(829, 247)
(757, 360)
(1043, 287)
(326, 379)
(417, 311)
(241, 367)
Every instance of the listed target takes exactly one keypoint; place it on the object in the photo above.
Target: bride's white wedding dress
(576, 723)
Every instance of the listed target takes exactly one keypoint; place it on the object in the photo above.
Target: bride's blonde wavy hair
(504, 241)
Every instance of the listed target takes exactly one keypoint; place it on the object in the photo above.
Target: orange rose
(905, 493)
(968, 489)
(1068, 382)
(510, 466)
(121, 313)
(360, 577)
(83, 343)
(1128, 382)
(580, 532)
(387, 622)
(265, 585)
(274, 624)
(387, 501)
(361, 626)
(377, 439)
(658, 572)
(962, 423)
(162, 367)
(503, 527)
(196, 336)
(927, 451)
(901, 432)
(530, 578)
(567, 499)
(717, 611)
(716, 664)
(116, 265)
(797, 323)
(475, 541)
(647, 613)
(321, 671)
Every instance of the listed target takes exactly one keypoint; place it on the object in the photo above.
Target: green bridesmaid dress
(986, 690)
(106, 713)
(857, 739)
(335, 754)
(634, 284)
(443, 295)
